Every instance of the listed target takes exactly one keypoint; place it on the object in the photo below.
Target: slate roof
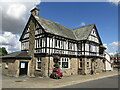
(82, 33)
(17, 55)
(55, 28)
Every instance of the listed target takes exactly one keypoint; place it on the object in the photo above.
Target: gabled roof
(54, 28)
(82, 33)
(17, 55)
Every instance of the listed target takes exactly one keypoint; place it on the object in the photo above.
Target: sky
(69, 14)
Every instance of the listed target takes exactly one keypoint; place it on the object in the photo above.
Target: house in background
(80, 50)
(108, 62)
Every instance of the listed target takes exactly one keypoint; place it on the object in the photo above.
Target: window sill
(38, 70)
(65, 68)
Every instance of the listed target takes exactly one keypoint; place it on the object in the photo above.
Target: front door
(23, 68)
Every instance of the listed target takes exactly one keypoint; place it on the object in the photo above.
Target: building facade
(80, 50)
(108, 62)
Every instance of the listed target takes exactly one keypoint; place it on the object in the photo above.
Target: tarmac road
(109, 82)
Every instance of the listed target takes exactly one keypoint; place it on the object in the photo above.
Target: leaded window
(38, 63)
(64, 62)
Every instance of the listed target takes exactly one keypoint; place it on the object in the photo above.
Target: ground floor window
(80, 63)
(96, 64)
(88, 63)
(38, 63)
(6, 65)
(64, 62)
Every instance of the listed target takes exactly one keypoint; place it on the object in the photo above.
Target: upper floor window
(38, 43)
(57, 43)
(79, 47)
(70, 46)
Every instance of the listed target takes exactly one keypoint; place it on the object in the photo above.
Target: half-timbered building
(80, 50)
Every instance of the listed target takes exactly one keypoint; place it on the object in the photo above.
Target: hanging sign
(22, 65)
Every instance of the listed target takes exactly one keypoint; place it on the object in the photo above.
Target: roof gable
(82, 33)
(93, 36)
(25, 29)
(97, 34)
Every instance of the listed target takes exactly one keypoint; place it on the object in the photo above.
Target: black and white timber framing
(50, 44)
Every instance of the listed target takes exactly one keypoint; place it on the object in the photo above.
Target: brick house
(80, 50)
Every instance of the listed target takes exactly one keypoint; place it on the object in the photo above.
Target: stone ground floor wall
(47, 63)
(12, 67)
(96, 65)
(73, 70)
(47, 67)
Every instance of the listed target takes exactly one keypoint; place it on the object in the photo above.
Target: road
(109, 82)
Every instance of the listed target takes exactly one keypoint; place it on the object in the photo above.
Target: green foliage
(3, 51)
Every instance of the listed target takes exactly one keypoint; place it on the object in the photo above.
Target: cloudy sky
(15, 13)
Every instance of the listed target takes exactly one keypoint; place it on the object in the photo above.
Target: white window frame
(96, 64)
(64, 59)
(80, 61)
(88, 63)
(6, 65)
(79, 47)
(38, 59)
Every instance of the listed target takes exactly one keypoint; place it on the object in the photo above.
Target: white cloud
(114, 1)
(111, 53)
(115, 44)
(82, 24)
(16, 10)
(10, 41)
(15, 14)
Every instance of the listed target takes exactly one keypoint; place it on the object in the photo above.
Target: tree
(3, 51)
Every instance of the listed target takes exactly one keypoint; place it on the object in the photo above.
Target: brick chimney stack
(35, 11)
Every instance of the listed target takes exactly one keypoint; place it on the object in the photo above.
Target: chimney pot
(35, 11)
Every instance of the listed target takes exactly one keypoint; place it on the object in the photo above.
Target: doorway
(23, 68)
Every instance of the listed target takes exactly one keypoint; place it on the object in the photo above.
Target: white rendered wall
(107, 64)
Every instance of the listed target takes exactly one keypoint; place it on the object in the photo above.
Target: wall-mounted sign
(22, 65)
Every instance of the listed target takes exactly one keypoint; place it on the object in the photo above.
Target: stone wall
(73, 70)
(12, 69)
(31, 46)
(97, 69)
(46, 61)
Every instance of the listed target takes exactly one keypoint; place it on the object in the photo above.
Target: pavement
(46, 82)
